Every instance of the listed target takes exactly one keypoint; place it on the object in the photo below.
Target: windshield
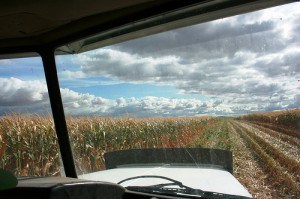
(231, 84)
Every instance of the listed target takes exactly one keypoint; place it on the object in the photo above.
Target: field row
(277, 162)
(258, 158)
(279, 134)
(282, 130)
(288, 147)
(247, 169)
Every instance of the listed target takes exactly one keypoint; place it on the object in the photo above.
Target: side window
(28, 143)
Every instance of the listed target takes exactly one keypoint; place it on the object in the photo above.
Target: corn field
(266, 146)
(29, 145)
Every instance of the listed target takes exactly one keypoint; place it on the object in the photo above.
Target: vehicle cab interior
(50, 33)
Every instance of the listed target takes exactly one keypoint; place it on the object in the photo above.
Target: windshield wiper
(174, 182)
(162, 188)
(166, 189)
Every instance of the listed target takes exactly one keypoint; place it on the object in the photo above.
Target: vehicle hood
(206, 179)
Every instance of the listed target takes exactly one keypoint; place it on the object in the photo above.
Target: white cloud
(214, 77)
(66, 74)
(125, 66)
(31, 97)
(81, 104)
(16, 92)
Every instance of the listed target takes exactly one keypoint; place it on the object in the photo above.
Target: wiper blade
(164, 187)
(161, 189)
(175, 182)
(169, 189)
(197, 193)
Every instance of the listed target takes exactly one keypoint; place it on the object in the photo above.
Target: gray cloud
(17, 96)
(284, 63)
(15, 92)
(208, 77)
(228, 38)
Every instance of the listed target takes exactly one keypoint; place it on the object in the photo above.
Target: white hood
(206, 179)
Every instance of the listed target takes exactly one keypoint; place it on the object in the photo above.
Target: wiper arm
(196, 193)
(164, 188)
(160, 189)
(174, 182)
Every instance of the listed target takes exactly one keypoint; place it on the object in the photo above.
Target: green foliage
(217, 136)
(28, 145)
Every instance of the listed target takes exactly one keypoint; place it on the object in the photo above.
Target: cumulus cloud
(82, 104)
(125, 66)
(207, 77)
(32, 97)
(66, 74)
(23, 96)
(15, 92)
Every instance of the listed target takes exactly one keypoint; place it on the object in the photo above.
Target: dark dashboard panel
(62, 188)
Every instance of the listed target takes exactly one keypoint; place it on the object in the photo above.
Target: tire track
(285, 138)
(286, 131)
(271, 163)
(290, 150)
(291, 165)
(248, 171)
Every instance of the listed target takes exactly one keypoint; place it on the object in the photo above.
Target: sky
(237, 65)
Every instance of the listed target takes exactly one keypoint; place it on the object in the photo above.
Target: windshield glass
(231, 84)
